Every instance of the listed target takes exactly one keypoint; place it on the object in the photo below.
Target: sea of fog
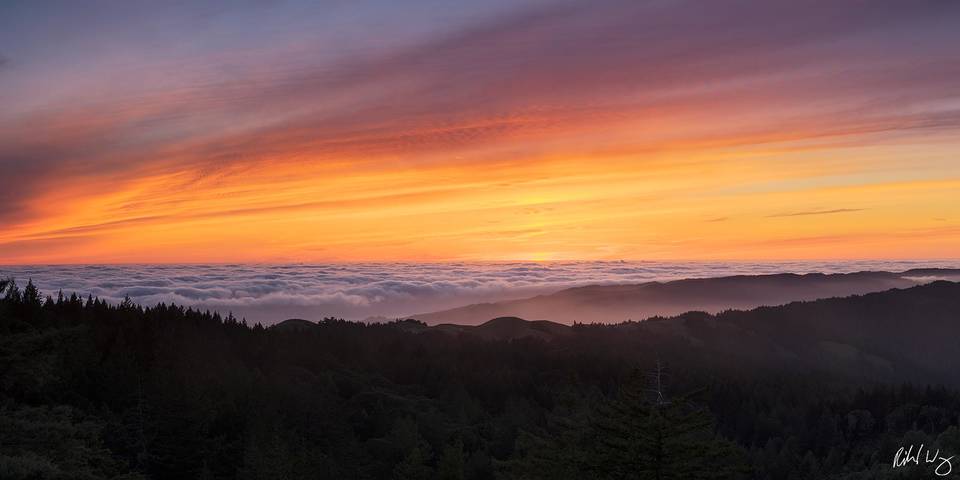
(272, 293)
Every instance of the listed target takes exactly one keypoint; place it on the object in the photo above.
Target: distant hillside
(901, 335)
(94, 390)
(294, 325)
(510, 328)
(896, 335)
(617, 303)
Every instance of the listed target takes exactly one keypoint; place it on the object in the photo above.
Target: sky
(287, 131)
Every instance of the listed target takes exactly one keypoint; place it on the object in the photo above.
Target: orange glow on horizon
(706, 204)
(541, 132)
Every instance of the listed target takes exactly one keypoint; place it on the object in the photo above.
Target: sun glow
(509, 142)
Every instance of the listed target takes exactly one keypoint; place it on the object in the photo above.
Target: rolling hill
(900, 335)
(617, 303)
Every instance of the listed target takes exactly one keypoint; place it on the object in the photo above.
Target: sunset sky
(284, 131)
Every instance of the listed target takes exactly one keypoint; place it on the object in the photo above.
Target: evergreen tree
(644, 434)
(451, 461)
(413, 466)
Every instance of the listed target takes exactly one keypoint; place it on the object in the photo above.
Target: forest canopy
(824, 389)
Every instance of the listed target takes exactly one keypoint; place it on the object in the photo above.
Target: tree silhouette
(644, 434)
(93, 390)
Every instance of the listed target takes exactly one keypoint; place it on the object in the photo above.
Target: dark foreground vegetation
(824, 389)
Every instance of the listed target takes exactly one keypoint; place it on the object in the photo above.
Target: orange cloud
(553, 133)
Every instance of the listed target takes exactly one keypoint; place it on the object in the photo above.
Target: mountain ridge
(895, 335)
(616, 303)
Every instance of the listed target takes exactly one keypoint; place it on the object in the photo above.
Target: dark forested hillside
(824, 389)
(618, 303)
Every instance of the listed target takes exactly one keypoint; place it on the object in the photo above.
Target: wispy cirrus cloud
(816, 212)
(266, 120)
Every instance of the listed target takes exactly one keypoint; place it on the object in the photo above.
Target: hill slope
(617, 303)
(510, 328)
(201, 393)
(899, 335)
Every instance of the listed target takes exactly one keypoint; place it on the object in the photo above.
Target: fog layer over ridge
(272, 293)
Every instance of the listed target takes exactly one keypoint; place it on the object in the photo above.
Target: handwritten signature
(907, 456)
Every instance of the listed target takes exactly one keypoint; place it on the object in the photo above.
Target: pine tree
(451, 462)
(644, 434)
(415, 453)
(265, 456)
(556, 450)
(413, 466)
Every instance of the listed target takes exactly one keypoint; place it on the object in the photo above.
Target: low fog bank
(272, 293)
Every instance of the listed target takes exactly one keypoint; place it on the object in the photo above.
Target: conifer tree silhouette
(646, 434)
